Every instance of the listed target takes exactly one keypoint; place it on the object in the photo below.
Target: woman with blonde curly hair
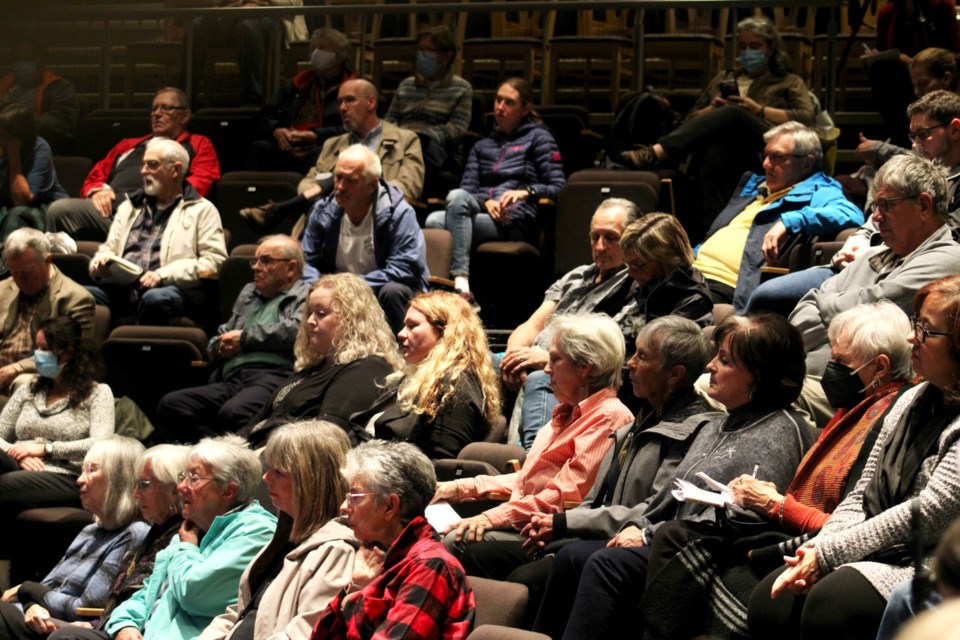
(448, 393)
(344, 351)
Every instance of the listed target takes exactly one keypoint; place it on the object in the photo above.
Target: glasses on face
(353, 497)
(143, 485)
(166, 108)
(152, 165)
(923, 134)
(779, 158)
(885, 204)
(636, 266)
(921, 332)
(90, 467)
(191, 478)
(265, 261)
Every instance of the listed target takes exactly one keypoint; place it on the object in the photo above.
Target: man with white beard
(162, 241)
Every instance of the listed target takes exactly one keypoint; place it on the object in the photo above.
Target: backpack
(641, 118)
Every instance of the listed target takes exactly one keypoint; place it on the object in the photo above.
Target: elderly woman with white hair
(84, 575)
(404, 584)
(870, 363)
(196, 577)
(585, 361)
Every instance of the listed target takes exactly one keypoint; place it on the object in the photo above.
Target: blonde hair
(362, 331)
(312, 451)
(657, 237)
(426, 386)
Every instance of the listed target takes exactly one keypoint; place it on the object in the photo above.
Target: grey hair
(171, 151)
(680, 342)
(942, 106)
(872, 329)
(630, 210)
(27, 238)
(183, 99)
(591, 339)
(394, 468)
(117, 458)
(806, 142)
(909, 175)
(341, 44)
(231, 460)
(780, 63)
(359, 153)
(290, 249)
(167, 461)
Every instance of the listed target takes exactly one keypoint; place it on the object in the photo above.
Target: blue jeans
(470, 225)
(781, 295)
(537, 409)
(156, 306)
(900, 609)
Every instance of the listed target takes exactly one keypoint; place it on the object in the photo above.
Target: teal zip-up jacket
(192, 585)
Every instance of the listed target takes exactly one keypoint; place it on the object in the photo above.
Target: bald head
(358, 106)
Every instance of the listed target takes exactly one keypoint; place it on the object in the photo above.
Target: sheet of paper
(440, 515)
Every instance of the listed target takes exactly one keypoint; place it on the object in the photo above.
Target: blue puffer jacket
(529, 157)
(398, 244)
(813, 207)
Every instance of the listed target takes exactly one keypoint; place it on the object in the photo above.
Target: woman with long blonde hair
(344, 351)
(448, 393)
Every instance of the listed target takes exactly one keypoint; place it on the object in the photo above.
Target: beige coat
(191, 247)
(312, 574)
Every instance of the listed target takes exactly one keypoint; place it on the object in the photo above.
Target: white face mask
(321, 60)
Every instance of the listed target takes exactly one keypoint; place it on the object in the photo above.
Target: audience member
(52, 99)
(118, 175)
(344, 350)
(670, 354)
(28, 179)
(254, 349)
(725, 128)
(769, 214)
(437, 105)
(155, 490)
(293, 128)
(253, 38)
(836, 585)
(935, 130)
(311, 556)
(404, 583)
(702, 573)
(595, 586)
(169, 233)
(35, 291)
(398, 149)
(365, 227)
(447, 395)
(602, 287)
(904, 28)
(49, 424)
(917, 248)
(506, 174)
(586, 357)
(195, 578)
(93, 560)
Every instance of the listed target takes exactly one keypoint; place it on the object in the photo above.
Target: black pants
(21, 490)
(506, 560)
(13, 626)
(841, 605)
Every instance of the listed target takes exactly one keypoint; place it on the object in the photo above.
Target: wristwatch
(47, 446)
(531, 192)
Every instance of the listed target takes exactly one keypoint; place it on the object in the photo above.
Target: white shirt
(355, 250)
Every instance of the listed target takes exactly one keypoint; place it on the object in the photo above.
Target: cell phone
(729, 88)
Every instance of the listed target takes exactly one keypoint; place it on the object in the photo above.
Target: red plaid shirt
(422, 593)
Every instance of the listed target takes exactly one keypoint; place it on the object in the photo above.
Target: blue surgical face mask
(753, 60)
(427, 64)
(47, 363)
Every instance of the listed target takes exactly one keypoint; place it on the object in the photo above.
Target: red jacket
(204, 166)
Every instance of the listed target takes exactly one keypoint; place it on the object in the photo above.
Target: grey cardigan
(848, 536)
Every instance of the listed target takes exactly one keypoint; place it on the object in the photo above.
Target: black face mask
(843, 386)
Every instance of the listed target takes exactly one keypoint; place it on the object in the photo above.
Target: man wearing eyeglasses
(254, 349)
(164, 239)
(911, 213)
(117, 175)
(768, 214)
